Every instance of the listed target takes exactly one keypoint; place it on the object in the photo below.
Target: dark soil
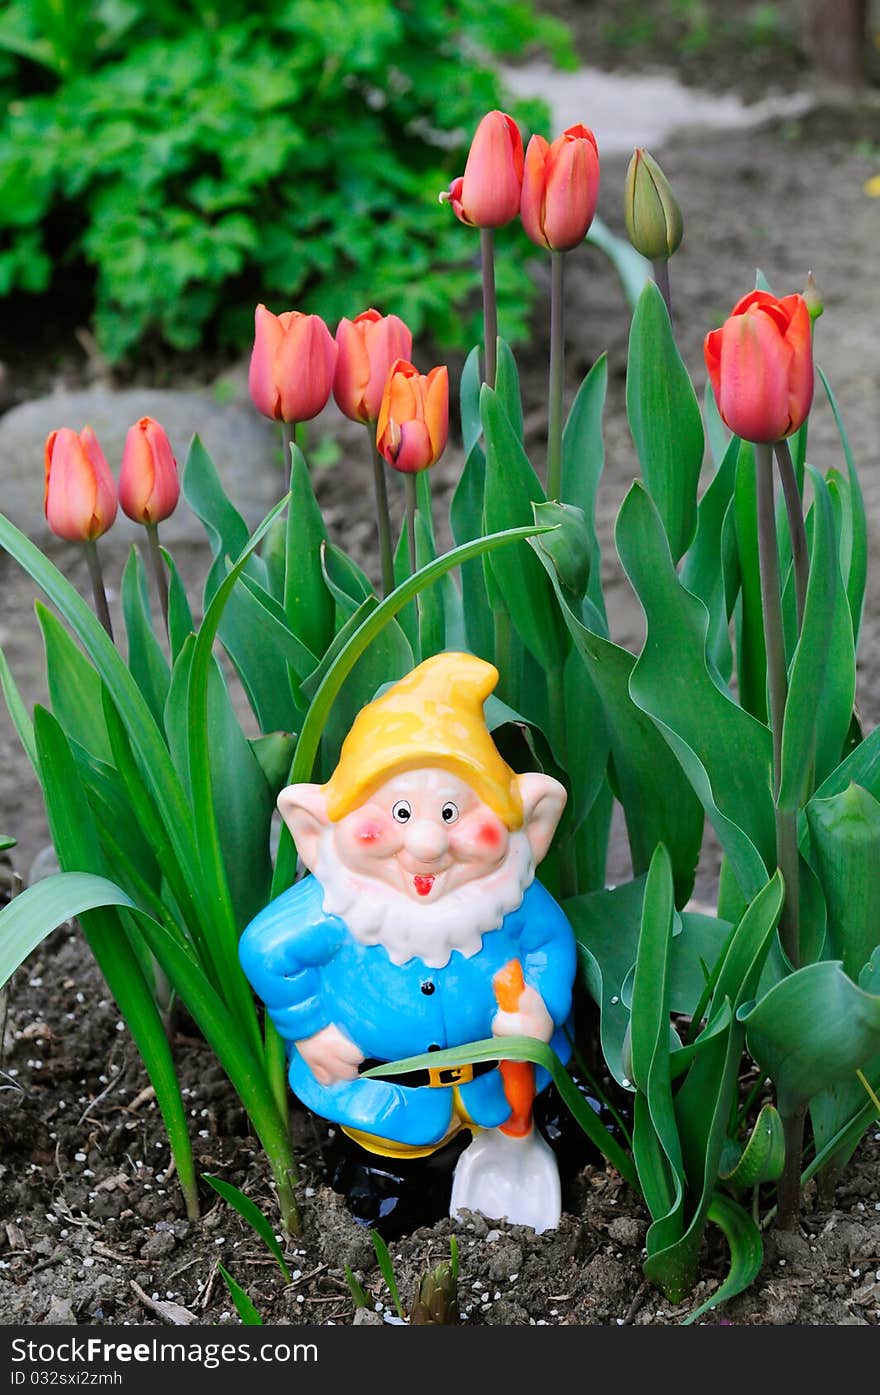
(88, 1209)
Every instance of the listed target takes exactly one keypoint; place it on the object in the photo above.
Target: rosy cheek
(488, 836)
(367, 833)
(480, 840)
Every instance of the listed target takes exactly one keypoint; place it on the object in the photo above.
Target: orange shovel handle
(518, 1076)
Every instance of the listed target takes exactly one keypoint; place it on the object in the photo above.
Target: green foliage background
(192, 158)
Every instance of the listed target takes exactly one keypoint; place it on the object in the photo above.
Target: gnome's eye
(449, 812)
(402, 811)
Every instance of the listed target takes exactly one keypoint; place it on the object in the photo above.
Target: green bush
(292, 153)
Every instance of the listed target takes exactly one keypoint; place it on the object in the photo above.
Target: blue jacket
(310, 972)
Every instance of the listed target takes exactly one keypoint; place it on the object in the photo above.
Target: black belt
(434, 1079)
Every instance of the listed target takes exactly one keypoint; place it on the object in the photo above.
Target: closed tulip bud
(487, 195)
(149, 487)
(80, 494)
(367, 346)
(813, 297)
(292, 365)
(414, 417)
(760, 364)
(560, 189)
(653, 218)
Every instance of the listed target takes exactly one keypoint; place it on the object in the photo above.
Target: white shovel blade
(506, 1178)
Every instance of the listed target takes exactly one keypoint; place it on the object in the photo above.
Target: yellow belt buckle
(450, 1075)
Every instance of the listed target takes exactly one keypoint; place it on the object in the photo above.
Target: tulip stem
(412, 503)
(288, 439)
(102, 610)
(157, 562)
(383, 517)
(557, 374)
(788, 1193)
(661, 277)
(490, 308)
(796, 529)
(777, 682)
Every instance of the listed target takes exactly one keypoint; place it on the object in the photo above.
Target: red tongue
(423, 885)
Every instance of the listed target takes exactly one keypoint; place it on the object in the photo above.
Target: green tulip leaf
(344, 579)
(148, 664)
(746, 1253)
(751, 653)
(76, 841)
(227, 531)
(583, 459)
(703, 570)
(39, 909)
(74, 687)
(656, 1143)
(718, 435)
(812, 1030)
(469, 398)
(466, 523)
(814, 731)
(722, 750)
(540, 1054)
(845, 843)
(763, 1157)
(512, 487)
(657, 800)
(24, 727)
(180, 619)
(507, 386)
(606, 925)
(244, 1304)
(308, 604)
(270, 659)
(664, 417)
(856, 572)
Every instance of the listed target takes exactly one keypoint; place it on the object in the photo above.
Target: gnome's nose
(426, 840)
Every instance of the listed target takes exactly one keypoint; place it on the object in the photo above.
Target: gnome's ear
(543, 801)
(304, 810)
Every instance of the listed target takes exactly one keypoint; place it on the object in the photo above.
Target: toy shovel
(510, 1172)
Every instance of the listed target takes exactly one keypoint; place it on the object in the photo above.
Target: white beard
(377, 914)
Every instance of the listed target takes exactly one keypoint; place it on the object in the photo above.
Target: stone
(365, 1317)
(626, 1230)
(60, 1313)
(158, 1245)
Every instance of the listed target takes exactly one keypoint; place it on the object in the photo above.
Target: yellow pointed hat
(432, 717)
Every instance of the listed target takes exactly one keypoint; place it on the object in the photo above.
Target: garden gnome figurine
(422, 928)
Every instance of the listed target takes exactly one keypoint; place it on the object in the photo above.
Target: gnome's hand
(330, 1055)
(531, 1018)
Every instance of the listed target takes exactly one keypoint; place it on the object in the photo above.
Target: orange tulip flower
(560, 189)
(413, 423)
(80, 493)
(367, 346)
(487, 195)
(149, 487)
(292, 365)
(760, 365)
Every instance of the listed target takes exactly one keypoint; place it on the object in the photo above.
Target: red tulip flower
(760, 365)
(292, 365)
(149, 487)
(560, 189)
(413, 420)
(80, 493)
(368, 347)
(488, 194)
